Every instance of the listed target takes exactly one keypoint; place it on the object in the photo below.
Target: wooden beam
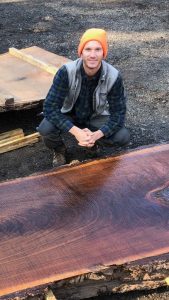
(18, 145)
(11, 133)
(19, 142)
(34, 61)
(11, 139)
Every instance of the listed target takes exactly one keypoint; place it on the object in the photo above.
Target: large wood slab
(73, 220)
(22, 84)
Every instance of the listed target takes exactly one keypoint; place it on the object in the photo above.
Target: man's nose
(93, 53)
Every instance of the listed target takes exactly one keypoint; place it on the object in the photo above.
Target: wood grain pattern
(19, 142)
(23, 85)
(11, 134)
(40, 58)
(74, 220)
(34, 61)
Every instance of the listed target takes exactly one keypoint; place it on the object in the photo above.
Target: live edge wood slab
(101, 225)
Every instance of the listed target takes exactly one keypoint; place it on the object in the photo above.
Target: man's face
(92, 55)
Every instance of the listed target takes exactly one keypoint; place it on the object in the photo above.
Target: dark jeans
(52, 136)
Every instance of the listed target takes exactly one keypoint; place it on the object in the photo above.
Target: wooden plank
(11, 133)
(6, 99)
(34, 61)
(141, 275)
(47, 57)
(11, 139)
(114, 279)
(25, 83)
(23, 138)
(18, 145)
(19, 142)
(79, 220)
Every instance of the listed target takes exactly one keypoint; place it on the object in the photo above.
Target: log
(19, 142)
(90, 229)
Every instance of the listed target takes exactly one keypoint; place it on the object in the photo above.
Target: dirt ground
(138, 46)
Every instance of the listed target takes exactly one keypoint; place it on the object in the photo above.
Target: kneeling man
(86, 99)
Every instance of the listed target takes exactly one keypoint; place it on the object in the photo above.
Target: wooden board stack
(15, 139)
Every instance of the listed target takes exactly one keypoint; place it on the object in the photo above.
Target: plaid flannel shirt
(82, 109)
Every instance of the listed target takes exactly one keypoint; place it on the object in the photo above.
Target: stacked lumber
(15, 139)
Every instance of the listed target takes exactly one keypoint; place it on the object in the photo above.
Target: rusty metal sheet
(23, 85)
(69, 221)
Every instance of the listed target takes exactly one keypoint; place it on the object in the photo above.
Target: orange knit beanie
(94, 34)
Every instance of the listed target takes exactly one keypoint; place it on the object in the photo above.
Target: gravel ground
(160, 294)
(138, 46)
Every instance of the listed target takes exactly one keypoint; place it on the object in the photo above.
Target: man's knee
(120, 138)
(50, 134)
(45, 127)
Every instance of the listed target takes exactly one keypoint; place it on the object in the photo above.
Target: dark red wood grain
(72, 220)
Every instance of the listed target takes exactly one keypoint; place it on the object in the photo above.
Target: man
(86, 100)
